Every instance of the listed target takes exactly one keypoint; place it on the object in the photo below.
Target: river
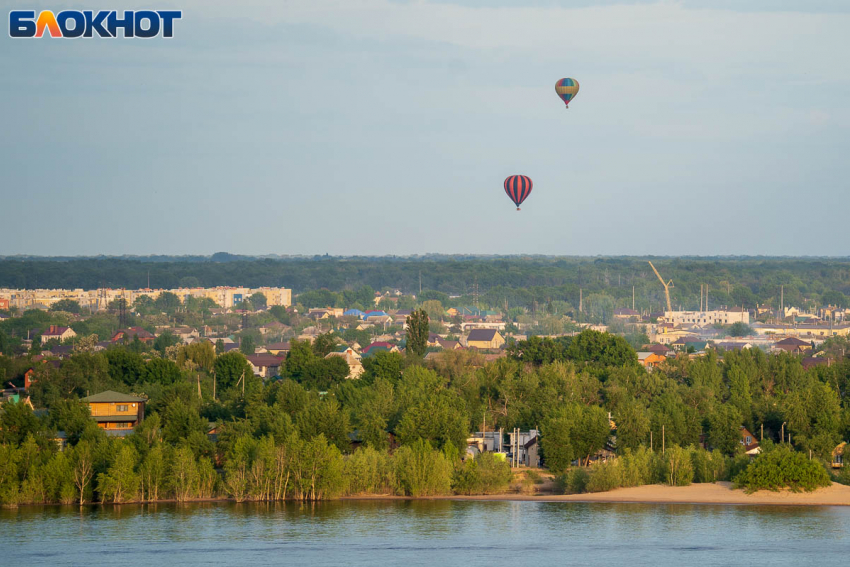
(411, 533)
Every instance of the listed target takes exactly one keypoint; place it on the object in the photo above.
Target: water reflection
(425, 533)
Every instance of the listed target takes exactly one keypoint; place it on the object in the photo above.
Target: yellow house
(117, 413)
(485, 339)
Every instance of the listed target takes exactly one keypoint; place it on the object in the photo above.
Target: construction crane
(667, 286)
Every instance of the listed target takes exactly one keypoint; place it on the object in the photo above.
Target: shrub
(421, 470)
(782, 468)
(604, 477)
(638, 467)
(574, 481)
(709, 466)
(485, 474)
(370, 472)
(677, 466)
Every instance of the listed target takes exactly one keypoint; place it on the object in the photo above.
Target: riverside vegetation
(402, 428)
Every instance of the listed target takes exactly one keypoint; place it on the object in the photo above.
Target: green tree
(422, 471)
(258, 300)
(68, 305)
(167, 302)
(417, 332)
(230, 368)
(247, 346)
(739, 329)
(782, 468)
(161, 371)
(17, 422)
(163, 341)
(120, 483)
(434, 309)
(71, 416)
(324, 344)
(724, 428)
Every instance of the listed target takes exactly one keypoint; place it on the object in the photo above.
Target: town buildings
(99, 299)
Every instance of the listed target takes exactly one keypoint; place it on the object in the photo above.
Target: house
(185, 333)
(273, 328)
(370, 314)
(624, 313)
(748, 440)
(130, 334)
(484, 339)
(813, 361)
(449, 345)
(523, 448)
(485, 442)
(690, 341)
(378, 347)
(663, 350)
(264, 365)
(730, 345)
(355, 368)
(117, 413)
(278, 349)
(650, 360)
(793, 345)
(354, 313)
(58, 333)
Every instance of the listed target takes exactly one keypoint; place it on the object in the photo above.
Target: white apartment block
(99, 299)
(707, 318)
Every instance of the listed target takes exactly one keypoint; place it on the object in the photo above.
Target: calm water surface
(442, 533)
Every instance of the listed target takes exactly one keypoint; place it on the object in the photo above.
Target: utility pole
(663, 441)
(580, 304)
(199, 386)
(782, 434)
(633, 298)
(213, 384)
(762, 432)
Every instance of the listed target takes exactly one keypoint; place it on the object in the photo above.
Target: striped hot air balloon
(567, 89)
(518, 188)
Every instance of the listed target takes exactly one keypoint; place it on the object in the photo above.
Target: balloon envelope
(567, 89)
(518, 188)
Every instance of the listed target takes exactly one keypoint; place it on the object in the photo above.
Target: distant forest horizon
(529, 281)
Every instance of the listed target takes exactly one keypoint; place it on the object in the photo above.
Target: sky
(387, 127)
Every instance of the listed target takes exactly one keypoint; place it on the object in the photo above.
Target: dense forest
(402, 427)
(529, 282)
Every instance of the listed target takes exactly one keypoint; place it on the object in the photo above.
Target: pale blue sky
(387, 127)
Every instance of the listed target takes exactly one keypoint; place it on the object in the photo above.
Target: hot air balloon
(567, 89)
(518, 188)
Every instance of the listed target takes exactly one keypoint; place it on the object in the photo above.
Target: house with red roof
(130, 334)
(58, 333)
(378, 347)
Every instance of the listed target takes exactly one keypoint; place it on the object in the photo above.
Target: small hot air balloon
(518, 188)
(567, 89)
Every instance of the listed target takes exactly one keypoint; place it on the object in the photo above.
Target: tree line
(533, 283)
(403, 405)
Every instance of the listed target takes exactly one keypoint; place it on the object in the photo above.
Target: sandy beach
(719, 493)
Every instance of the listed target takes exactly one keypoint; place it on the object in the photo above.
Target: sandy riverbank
(719, 493)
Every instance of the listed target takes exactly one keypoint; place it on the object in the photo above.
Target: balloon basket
(517, 208)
